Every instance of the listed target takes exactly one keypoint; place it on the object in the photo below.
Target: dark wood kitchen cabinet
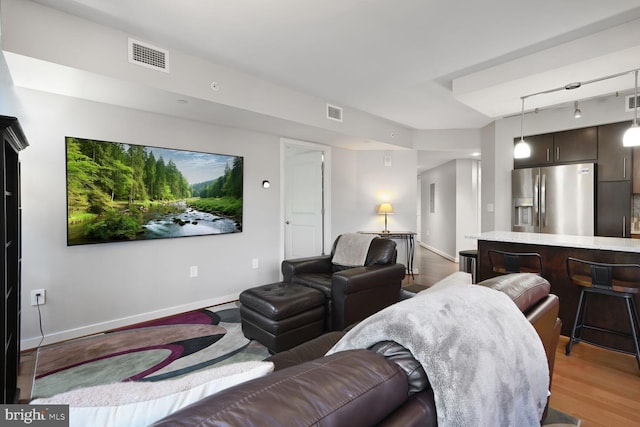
(576, 145)
(13, 141)
(613, 212)
(571, 146)
(614, 160)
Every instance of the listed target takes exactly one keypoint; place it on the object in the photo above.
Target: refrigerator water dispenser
(523, 215)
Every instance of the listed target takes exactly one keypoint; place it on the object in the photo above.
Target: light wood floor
(25, 374)
(601, 387)
(431, 267)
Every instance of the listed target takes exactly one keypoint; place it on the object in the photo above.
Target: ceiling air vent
(334, 113)
(630, 103)
(148, 56)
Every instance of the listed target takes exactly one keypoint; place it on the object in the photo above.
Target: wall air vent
(630, 103)
(148, 56)
(334, 113)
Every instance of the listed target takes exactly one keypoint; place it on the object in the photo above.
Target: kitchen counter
(586, 242)
(605, 311)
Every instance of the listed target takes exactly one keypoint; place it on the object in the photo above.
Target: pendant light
(577, 113)
(631, 137)
(522, 150)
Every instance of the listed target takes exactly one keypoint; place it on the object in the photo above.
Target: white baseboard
(96, 328)
(439, 252)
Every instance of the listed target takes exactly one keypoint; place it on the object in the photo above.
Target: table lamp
(386, 209)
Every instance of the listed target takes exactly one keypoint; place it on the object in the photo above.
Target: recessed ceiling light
(475, 154)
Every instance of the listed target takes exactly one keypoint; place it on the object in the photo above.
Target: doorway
(305, 198)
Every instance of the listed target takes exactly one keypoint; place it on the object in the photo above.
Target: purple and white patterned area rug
(151, 351)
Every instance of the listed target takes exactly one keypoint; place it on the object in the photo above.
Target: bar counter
(554, 249)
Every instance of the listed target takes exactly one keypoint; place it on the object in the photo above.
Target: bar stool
(616, 280)
(468, 262)
(502, 262)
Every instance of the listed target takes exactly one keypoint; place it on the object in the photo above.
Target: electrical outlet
(38, 296)
(255, 263)
(193, 271)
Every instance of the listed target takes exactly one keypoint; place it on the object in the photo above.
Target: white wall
(395, 183)
(467, 204)
(438, 228)
(456, 210)
(344, 179)
(95, 287)
(489, 184)
(360, 180)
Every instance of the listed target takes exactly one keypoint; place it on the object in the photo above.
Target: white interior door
(303, 201)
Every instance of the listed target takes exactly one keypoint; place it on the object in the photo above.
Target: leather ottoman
(282, 315)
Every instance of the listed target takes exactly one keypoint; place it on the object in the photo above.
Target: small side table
(409, 241)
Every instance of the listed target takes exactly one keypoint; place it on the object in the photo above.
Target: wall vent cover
(630, 103)
(148, 56)
(334, 113)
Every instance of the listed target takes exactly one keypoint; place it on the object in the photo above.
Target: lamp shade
(522, 150)
(385, 208)
(631, 137)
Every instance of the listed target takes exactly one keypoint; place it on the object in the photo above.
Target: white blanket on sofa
(485, 361)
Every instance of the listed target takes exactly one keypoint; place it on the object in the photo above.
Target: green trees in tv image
(119, 192)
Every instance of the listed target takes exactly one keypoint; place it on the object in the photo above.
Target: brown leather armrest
(360, 279)
(318, 264)
(544, 318)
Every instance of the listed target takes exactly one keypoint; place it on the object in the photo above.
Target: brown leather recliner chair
(352, 293)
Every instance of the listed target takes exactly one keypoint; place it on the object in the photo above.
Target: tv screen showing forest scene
(121, 192)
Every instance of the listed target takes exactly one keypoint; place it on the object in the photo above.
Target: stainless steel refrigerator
(554, 199)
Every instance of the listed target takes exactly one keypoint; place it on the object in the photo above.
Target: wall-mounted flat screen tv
(122, 192)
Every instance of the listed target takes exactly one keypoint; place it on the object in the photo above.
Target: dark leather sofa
(352, 293)
(356, 387)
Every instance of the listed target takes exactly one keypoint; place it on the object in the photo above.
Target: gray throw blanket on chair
(352, 249)
(485, 361)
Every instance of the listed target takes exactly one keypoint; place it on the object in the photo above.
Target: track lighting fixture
(631, 137)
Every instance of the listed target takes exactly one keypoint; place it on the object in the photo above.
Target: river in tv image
(191, 222)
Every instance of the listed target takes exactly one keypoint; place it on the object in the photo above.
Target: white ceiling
(426, 64)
